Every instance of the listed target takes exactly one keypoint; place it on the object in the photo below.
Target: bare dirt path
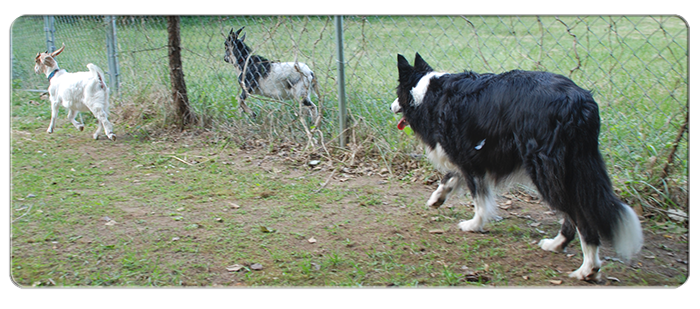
(194, 209)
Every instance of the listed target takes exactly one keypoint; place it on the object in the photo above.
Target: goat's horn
(54, 54)
(239, 31)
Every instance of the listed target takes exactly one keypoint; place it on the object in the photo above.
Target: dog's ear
(421, 65)
(56, 53)
(404, 67)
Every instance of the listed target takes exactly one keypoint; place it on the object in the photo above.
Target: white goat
(78, 92)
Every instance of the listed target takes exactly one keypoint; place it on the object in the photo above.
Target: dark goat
(257, 75)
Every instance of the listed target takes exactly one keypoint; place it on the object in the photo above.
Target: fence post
(341, 81)
(112, 59)
(49, 29)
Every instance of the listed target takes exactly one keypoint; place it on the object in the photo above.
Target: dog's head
(236, 51)
(413, 84)
(45, 61)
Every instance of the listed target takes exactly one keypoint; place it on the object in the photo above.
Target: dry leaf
(234, 267)
(265, 229)
(312, 240)
(256, 266)
(436, 231)
(555, 282)
(234, 205)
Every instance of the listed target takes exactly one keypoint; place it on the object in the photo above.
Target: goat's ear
(56, 53)
(37, 57)
(420, 64)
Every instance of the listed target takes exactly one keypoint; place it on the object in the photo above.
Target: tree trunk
(177, 77)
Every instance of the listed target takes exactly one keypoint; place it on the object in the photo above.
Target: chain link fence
(636, 66)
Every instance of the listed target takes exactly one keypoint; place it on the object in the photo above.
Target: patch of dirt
(374, 213)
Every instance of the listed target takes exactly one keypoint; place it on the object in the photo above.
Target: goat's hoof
(81, 128)
(113, 137)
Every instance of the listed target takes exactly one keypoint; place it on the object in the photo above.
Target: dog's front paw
(435, 201)
(550, 245)
(472, 225)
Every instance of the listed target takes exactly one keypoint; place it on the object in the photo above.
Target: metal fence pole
(112, 56)
(49, 29)
(341, 80)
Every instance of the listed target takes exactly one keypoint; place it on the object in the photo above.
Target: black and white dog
(277, 80)
(488, 130)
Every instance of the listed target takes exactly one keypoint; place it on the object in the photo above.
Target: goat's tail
(97, 74)
(103, 91)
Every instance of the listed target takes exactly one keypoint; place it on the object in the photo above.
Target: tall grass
(636, 67)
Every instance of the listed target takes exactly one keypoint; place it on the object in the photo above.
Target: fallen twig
(181, 160)
(25, 213)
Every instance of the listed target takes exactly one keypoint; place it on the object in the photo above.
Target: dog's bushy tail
(612, 219)
(627, 238)
(569, 171)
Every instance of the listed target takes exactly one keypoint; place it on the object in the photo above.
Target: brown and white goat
(78, 92)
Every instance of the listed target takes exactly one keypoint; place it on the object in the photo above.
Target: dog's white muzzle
(395, 107)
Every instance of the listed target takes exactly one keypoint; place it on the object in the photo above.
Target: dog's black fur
(492, 125)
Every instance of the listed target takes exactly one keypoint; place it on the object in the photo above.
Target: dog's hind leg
(589, 270)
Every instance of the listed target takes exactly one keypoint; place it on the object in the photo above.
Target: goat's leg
(303, 92)
(103, 123)
(311, 106)
(108, 129)
(71, 115)
(241, 102)
(54, 113)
